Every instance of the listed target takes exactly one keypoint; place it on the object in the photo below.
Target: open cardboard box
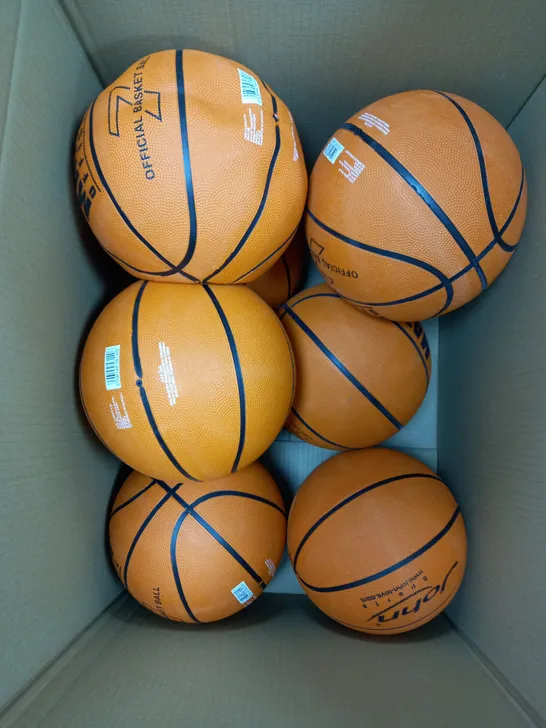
(76, 654)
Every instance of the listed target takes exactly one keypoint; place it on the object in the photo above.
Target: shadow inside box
(265, 609)
(430, 631)
(270, 607)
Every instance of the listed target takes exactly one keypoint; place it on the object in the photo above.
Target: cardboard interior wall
(55, 476)
(54, 57)
(492, 440)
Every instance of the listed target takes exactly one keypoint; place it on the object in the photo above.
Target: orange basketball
(198, 552)
(187, 381)
(377, 541)
(281, 281)
(416, 204)
(189, 168)
(360, 377)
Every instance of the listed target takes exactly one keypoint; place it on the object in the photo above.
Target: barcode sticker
(332, 150)
(242, 593)
(250, 90)
(112, 377)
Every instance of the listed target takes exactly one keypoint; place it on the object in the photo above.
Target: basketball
(189, 168)
(198, 552)
(416, 205)
(360, 377)
(188, 382)
(377, 541)
(281, 281)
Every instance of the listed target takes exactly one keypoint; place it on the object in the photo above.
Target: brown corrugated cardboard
(280, 663)
(328, 59)
(56, 477)
(493, 441)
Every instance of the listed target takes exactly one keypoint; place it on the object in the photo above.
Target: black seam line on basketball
(261, 206)
(288, 277)
(143, 527)
(238, 375)
(236, 494)
(134, 331)
(116, 204)
(444, 280)
(190, 194)
(229, 548)
(160, 274)
(292, 360)
(397, 604)
(437, 609)
(427, 198)
(265, 86)
(483, 173)
(390, 569)
(412, 595)
(317, 434)
(393, 606)
(315, 295)
(343, 369)
(174, 565)
(116, 257)
(86, 159)
(132, 498)
(214, 533)
(143, 396)
(415, 346)
(428, 616)
(353, 497)
(507, 247)
(262, 262)
(463, 271)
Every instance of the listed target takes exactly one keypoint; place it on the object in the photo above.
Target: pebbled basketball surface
(189, 168)
(187, 381)
(281, 281)
(418, 206)
(377, 541)
(360, 377)
(198, 552)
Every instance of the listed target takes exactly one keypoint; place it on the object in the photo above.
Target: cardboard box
(70, 654)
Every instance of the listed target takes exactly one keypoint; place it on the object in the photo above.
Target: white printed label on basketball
(250, 89)
(112, 377)
(296, 155)
(242, 593)
(351, 168)
(374, 121)
(119, 413)
(332, 150)
(254, 133)
(166, 373)
(270, 567)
